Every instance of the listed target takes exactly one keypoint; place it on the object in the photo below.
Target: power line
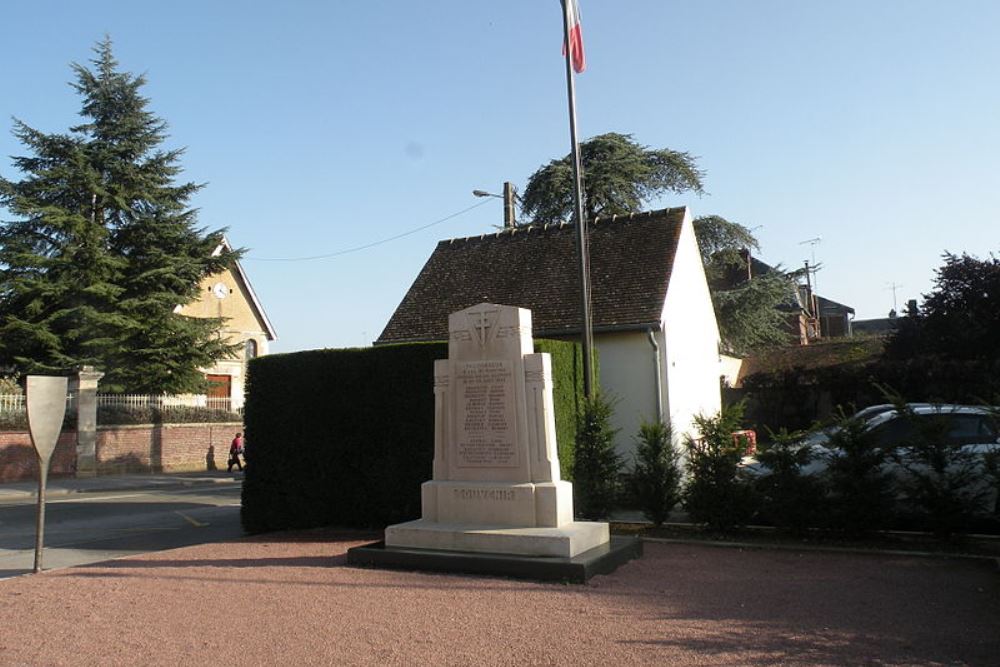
(367, 245)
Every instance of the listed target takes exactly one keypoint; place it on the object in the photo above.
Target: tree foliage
(619, 176)
(103, 246)
(721, 244)
(746, 307)
(959, 319)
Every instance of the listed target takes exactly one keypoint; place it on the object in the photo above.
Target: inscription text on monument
(486, 433)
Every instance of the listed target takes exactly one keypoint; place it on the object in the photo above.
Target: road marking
(193, 522)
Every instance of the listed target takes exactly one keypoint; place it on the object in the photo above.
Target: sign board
(46, 399)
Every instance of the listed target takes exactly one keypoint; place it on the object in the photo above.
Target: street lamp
(508, 196)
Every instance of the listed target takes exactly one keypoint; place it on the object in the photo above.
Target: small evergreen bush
(596, 466)
(944, 486)
(716, 493)
(656, 474)
(860, 490)
(991, 462)
(789, 499)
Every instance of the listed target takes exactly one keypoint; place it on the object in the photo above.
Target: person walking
(235, 452)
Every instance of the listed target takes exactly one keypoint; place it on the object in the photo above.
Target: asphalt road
(89, 528)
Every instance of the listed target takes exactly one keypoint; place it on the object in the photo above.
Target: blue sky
(324, 126)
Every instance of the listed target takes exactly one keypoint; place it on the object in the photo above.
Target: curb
(21, 494)
(992, 561)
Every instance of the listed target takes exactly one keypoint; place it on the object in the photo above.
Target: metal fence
(162, 401)
(13, 404)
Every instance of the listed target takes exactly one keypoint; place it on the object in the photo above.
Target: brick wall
(142, 448)
(18, 459)
(163, 447)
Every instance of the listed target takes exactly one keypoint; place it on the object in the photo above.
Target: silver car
(974, 429)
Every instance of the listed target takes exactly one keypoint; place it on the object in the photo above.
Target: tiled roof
(831, 307)
(537, 268)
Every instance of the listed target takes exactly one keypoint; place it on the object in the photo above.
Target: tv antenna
(813, 242)
(893, 286)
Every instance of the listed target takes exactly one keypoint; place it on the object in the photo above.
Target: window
(970, 430)
(251, 349)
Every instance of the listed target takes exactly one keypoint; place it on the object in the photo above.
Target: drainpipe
(656, 365)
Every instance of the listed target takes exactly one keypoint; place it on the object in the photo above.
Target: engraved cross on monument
(495, 486)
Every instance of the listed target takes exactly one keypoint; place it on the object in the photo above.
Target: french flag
(575, 37)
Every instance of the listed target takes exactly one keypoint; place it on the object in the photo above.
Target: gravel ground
(290, 599)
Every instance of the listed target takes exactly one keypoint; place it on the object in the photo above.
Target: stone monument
(495, 486)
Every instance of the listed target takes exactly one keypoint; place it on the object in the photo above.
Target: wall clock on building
(220, 290)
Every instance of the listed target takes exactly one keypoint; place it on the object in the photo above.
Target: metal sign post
(46, 401)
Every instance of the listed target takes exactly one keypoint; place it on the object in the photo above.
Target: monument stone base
(566, 541)
(540, 504)
(603, 559)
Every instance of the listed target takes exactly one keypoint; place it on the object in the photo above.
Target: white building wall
(691, 363)
(730, 369)
(627, 376)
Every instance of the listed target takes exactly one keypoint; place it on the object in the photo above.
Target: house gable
(234, 300)
(537, 268)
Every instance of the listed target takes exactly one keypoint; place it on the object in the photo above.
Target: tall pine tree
(105, 246)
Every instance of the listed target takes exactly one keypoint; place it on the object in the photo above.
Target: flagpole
(581, 222)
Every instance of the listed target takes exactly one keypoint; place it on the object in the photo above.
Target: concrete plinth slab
(602, 559)
(566, 541)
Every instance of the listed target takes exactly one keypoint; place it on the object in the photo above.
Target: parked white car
(975, 429)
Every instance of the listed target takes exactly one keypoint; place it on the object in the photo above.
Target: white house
(654, 325)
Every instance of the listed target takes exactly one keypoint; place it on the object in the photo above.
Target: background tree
(722, 245)
(746, 306)
(104, 246)
(959, 319)
(619, 176)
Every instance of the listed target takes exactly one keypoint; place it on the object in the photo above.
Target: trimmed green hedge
(181, 414)
(346, 437)
(18, 421)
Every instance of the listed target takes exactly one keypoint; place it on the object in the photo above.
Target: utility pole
(509, 197)
(509, 218)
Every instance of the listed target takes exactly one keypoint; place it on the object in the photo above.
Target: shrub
(716, 493)
(788, 498)
(945, 486)
(656, 474)
(18, 421)
(120, 414)
(596, 466)
(860, 490)
(991, 462)
(14, 421)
